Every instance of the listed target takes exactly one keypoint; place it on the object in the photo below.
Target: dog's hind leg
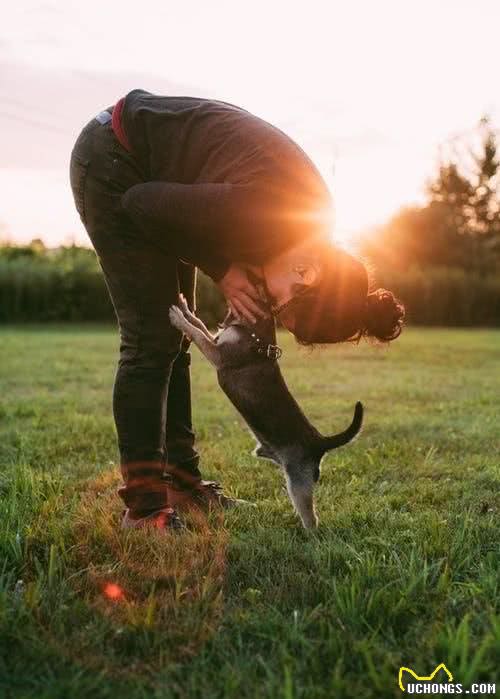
(205, 344)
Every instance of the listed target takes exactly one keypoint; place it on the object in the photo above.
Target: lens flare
(113, 592)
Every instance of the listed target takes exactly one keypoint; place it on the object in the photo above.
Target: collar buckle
(273, 352)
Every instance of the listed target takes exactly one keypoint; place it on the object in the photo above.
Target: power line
(26, 105)
(33, 122)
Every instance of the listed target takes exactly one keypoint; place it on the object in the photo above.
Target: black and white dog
(245, 357)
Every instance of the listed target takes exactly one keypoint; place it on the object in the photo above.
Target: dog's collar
(261, 346)
(268, 350)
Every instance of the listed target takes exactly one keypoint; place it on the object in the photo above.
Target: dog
(245, 357)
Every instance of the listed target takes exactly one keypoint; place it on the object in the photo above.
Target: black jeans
(151, 394)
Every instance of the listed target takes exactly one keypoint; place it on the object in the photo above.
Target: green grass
(402, 571)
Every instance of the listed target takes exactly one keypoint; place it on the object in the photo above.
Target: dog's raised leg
(192, 318)
(203, 340)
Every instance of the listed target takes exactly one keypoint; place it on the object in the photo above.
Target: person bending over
(165, 185)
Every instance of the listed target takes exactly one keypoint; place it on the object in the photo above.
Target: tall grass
(39, 289)
(446, 296)
(68, 285)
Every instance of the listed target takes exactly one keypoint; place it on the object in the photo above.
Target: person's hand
(241, 295)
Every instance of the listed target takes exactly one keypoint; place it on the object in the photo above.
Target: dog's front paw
(183, 305)
(177, 318)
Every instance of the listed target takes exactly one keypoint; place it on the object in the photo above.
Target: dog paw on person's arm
(241, 295)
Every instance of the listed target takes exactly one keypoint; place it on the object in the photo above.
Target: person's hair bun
(384, 316)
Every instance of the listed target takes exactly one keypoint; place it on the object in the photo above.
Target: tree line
(39, 284)
(443, 258)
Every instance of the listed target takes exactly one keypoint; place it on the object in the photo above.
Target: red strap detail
(116, 125)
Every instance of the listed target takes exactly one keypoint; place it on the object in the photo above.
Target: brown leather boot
(186, 491)
(145, 495)
(165, 518)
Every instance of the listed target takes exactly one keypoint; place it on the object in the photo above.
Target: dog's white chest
(229, 336)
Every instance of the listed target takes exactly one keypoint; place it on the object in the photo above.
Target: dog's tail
(338, 440)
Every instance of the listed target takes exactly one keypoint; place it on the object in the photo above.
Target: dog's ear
(263, 452)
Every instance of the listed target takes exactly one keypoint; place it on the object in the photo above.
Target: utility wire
(34, 122)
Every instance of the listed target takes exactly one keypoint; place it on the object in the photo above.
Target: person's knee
(156, 351)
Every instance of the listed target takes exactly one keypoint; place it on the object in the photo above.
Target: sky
(369, 89)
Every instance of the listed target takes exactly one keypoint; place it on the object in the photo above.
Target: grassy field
(403, 570)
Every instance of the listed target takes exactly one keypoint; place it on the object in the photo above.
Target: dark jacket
(220, 185)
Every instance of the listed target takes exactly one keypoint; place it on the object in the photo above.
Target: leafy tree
(459, 226)
(467, 188)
